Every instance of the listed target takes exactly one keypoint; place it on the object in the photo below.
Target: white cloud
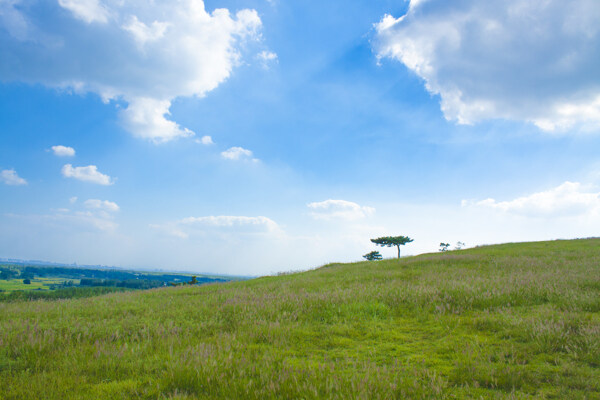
(238, 153)
(143, 33)
(82, 219)
(205, 140)
(73, 200)
(10, 177)
(63, 151)
(86, 174)
(228, 224)
(566, 200)
(103, 205)
(13, 21)
(86, 10)
(267, 55)
(72, 221)
(128, 51)
(231, 221)
(99, 215)
(171, 230)
(266, 58)
(514, 59)
(145, 118)
(339, 209)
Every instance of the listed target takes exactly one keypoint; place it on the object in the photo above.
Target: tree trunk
(398, 251)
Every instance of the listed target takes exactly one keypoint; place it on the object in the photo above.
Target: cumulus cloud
(339, 209)
(126, 51)
(10, 177)
(566, 200)
(103, 205)
(238, 153)
(229, 224)
(515, 59)
(205, 140)
(143, 33)
(86, 174)
(63, 151)
(145, 118)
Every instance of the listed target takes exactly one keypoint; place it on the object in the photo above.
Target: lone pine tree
(389, 241)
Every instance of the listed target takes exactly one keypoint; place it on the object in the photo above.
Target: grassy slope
(507, 321)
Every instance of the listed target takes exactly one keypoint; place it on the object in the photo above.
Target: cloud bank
(98, 216)
(533, 61)
(567, 200)
(228, 224)
(339, 209)
(125, 50)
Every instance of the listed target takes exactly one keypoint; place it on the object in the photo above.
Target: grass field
(39, 283)
(514, 321)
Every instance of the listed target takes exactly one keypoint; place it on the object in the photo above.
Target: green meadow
(39, 283)
(513, 321)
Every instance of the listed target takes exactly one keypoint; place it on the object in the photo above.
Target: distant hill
(40, 263)
(18, 261)
(508, 321)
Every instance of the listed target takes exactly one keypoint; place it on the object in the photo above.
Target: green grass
(514, 321)
(59, 294)
(36, 284)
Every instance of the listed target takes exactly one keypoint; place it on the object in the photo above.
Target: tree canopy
(372, 256)
(389, 241)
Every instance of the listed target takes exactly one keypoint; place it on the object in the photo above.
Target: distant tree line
(128, 283)
(78, 273)
(7, 273)
(193, 281)
(140, 283)
(95, 278)
(98, 277)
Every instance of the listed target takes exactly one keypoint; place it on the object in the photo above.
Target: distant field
(36, 284)
(514, 321)
(49, 277)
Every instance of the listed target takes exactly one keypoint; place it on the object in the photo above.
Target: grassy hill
(508, 321)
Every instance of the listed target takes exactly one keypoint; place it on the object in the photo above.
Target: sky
(250, 137)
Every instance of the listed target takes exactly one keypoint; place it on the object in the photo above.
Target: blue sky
(249, 137)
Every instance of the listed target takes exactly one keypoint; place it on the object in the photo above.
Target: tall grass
(509, 321)
(64, 293)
